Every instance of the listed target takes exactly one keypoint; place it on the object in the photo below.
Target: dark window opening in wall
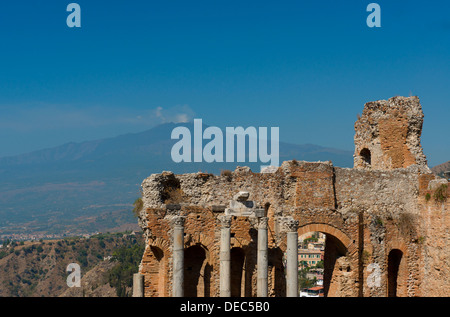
(394, 259)
(237, 256)
(277, 270)
(157, 271)
(266, 209)
(158, 253)
(366, 156)
(196, 277)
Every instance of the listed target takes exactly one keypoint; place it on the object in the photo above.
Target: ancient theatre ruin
(387, 231)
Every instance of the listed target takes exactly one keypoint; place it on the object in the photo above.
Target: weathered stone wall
(387, 135)
(390, 219)
(366, 214)
(434, 238)
(386, 222)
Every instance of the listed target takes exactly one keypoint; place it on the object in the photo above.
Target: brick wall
(364, 213)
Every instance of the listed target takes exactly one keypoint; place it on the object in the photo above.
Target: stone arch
(397, 275)
(197, 272)
(393, 269)
(277, 274)
(160, 243)
(155, 268)
(266, 209)
(242, 268)
(400, 245)
(339, 250)
(204, 240)
(242, 242)
(325, 228)
(204, 281)
(396, 270)
(366, 156)
(160, 260)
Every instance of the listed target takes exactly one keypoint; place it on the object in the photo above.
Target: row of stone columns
(225, 256)
(289, 224)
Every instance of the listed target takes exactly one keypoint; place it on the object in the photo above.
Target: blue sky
(307, 67)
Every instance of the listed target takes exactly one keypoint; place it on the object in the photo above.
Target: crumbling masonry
(386, 221)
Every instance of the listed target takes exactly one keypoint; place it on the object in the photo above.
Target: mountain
(90, 186)
(441, 168)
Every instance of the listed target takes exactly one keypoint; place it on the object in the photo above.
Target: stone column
(262, 258)
(138, 285)
(225, 256)
(178, 256)
(291, 226)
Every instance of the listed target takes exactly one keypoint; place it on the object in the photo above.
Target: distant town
(6, 239)
(311, 249)
(40, 236)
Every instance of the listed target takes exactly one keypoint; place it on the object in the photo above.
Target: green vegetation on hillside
(34, 269)
(121, 276)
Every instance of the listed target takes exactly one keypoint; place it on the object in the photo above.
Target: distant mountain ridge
(77, 187)
(441, 168)
(69, 151)
(149, 141)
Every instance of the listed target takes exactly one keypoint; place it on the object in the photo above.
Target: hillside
(441, 168)
(88, 187)
(38, 269)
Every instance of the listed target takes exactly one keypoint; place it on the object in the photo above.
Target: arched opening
(237, 257)
(277, 273)
(366, 156)
(323, 265)
(334, 274)
(394, 260)
(157, 271)
(266, 209)
(196, 272)
(311, 264)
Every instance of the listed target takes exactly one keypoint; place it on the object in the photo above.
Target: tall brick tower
(387, 135)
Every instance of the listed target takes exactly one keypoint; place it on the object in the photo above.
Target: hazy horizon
(307, 68)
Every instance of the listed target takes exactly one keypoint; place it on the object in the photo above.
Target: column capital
(262, 222)
(178, 221)
(225, 221)
(288, 224)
